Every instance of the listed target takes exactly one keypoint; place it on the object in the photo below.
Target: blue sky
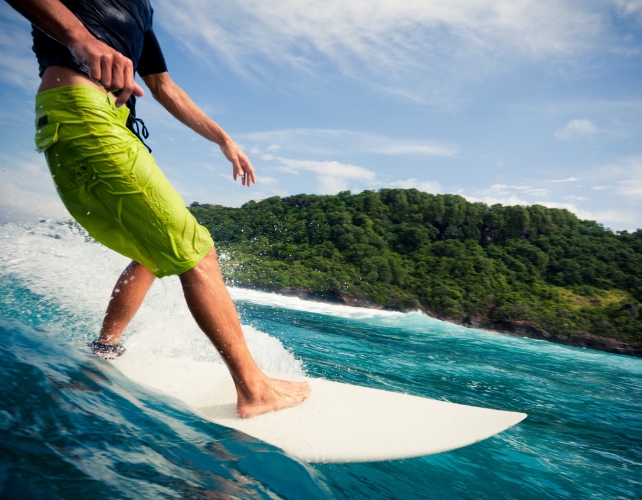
(512, 102)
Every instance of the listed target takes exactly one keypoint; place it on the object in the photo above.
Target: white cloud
(332, 176)
(19, 71)
(630, 7)
(432, 187)
(569, 179)
(414, 49)
(510, 200)
(411, 48)
(19, 204)
(504, 190)
(619, 217)
(505, 194)
(268, 181)
(408, 148)
(625, 177)
(576, 128)
(27, 191)
(225, 195)
(333, 141)
(632, 187)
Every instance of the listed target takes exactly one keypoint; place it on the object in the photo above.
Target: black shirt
(124, 25)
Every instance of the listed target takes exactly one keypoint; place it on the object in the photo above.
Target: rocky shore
(516, 328)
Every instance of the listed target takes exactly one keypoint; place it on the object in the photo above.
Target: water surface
(73, 425)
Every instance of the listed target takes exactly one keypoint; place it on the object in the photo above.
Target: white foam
(58, 262)
(416, 320)
(296, 304)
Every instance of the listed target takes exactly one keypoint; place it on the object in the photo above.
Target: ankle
(109, 338)
(252, 388)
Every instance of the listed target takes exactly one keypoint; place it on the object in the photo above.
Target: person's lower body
(111, 185)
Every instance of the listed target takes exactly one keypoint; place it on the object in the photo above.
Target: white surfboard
(338, 423)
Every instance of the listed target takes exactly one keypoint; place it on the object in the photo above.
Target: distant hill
(532, 271)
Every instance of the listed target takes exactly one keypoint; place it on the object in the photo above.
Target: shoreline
(516, 329)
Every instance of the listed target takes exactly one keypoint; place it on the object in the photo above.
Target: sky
(515, 102)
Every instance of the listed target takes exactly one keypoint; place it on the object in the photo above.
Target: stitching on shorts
(148, 201)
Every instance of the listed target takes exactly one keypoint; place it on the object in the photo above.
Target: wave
(55, 275)
(72, 426)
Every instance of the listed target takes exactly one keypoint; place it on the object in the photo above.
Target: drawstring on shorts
(136, 125)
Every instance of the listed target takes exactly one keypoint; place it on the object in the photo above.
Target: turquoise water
(72, 426)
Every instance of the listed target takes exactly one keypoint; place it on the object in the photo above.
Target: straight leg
(212, 307)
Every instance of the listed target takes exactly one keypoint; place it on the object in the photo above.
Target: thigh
(112, 186)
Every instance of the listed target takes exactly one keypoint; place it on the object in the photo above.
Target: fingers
(245, 171)
(249, 177)
(236, 167)
(105, 72)
(241, 164)
(109, 67)
(125, 83)
(240, 169)
(95, 71)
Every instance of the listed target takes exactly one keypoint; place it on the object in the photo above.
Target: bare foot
(273, 395)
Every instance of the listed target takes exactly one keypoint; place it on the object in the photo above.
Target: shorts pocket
(46, 137)
(68, 174)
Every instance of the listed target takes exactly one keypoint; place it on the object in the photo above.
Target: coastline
(517, 329)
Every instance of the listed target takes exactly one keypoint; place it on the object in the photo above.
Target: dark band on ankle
(107, 351)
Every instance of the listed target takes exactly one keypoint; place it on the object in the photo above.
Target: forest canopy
(459, 260)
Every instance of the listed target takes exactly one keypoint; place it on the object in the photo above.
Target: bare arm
(178, 103)
(113, 70)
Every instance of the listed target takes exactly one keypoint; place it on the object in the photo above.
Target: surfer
(87, 52)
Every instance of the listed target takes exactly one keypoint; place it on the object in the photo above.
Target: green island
(526, 270)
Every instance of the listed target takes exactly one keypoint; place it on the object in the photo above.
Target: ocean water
(72, 426)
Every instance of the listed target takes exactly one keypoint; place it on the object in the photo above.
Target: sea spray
(63, 279)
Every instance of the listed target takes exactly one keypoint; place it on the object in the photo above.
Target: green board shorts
(111, 184)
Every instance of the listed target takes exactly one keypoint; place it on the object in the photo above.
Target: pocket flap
(46, 136)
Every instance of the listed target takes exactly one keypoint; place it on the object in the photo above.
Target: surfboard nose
(346, 423)
(338, 422)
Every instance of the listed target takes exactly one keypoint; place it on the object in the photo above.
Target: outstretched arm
(178, 103)
(107, 66)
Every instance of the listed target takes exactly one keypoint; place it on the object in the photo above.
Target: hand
(113, 70)
(241, 164)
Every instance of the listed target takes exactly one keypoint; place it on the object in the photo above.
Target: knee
(139, 271)
(208, 265)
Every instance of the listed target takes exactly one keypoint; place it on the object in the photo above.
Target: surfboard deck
(339, 422)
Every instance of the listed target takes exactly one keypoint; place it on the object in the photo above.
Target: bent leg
(128, 294)
(212, 307)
